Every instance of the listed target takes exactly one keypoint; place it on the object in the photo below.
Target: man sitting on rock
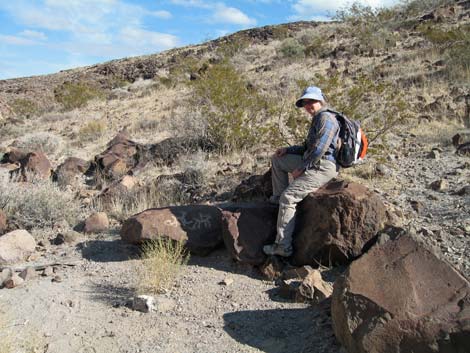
(311, 165)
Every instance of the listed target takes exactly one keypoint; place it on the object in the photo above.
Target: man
(311, 165)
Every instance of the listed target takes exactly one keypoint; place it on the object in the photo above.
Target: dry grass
(92, 130)
(43, 141)
(38, 203)
(162, 262)
(436, 132)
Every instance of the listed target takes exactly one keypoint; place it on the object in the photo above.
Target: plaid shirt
(321, 140)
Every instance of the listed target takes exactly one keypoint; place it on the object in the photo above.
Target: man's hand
(280, 152)
(297, 172)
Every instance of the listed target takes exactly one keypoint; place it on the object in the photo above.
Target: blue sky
(45, 36)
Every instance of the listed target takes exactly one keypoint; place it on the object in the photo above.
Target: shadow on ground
(220, 260)
(305, 330)
(108, 250)
(112, 295)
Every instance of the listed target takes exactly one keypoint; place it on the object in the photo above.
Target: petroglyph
(200, 221)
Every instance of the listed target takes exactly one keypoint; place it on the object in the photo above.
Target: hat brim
(314, 97)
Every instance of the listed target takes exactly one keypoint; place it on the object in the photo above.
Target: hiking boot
(274, 200)
(276, 249)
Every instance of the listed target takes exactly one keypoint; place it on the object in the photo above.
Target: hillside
(221, 108)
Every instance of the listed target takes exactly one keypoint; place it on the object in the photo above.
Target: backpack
(352, 141)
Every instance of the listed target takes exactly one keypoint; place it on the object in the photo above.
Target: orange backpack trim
(364, 144)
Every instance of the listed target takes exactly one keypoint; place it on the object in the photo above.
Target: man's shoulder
(327, 116)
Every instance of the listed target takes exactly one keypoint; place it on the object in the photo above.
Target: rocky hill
(84, 150)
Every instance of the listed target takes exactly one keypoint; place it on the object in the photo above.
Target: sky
(45, 36)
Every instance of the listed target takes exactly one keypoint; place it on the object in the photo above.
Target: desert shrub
(24, 108)
(291, 48)
(454, 45)
(40, 141)
(38, 203)
(76, 95)
(418, 7)
(92, 130)
(372, 27)
(234, 109)
(162, 193)
(163, 259)
(232, 45)
(53, 117)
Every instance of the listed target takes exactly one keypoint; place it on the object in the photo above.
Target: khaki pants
(291, 194)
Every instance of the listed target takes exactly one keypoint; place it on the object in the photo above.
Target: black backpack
(352, 142)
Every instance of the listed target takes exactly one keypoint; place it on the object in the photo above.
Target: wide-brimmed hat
(311, 92)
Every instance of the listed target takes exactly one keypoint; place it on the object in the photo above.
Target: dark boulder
(400, 297)
(246, 228)
(69, 170)
(336, 223)
(256, 187)
(199, 226)
(37, 164)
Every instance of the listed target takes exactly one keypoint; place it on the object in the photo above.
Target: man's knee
(287, 199)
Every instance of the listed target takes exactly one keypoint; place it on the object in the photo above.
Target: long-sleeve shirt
(321, 140)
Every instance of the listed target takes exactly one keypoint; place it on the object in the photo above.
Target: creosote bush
(235, 111)
(291, 48)
(38, 203)
(24, 108)
(76, 95)
(163, 259)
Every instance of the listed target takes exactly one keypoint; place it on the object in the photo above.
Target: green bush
(24, 108)
(234, 110)
(76, 95)
(291, 48)
(373, 28)
(454, 46)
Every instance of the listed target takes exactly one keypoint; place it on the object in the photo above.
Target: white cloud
(191, 3)
(33, 34)
(161, 14)
(309, 9)
(142, 39)
(15, 40)
(89, 25)
(232, 15)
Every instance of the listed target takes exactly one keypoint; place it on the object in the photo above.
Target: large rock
(256, 187)
(121, 156)
(199, 226)
(400, 298)
(13, 156)
(16, 246)
(36, 163)
(336, 223)
(96, 223)
(246, 228)
(72, 167)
